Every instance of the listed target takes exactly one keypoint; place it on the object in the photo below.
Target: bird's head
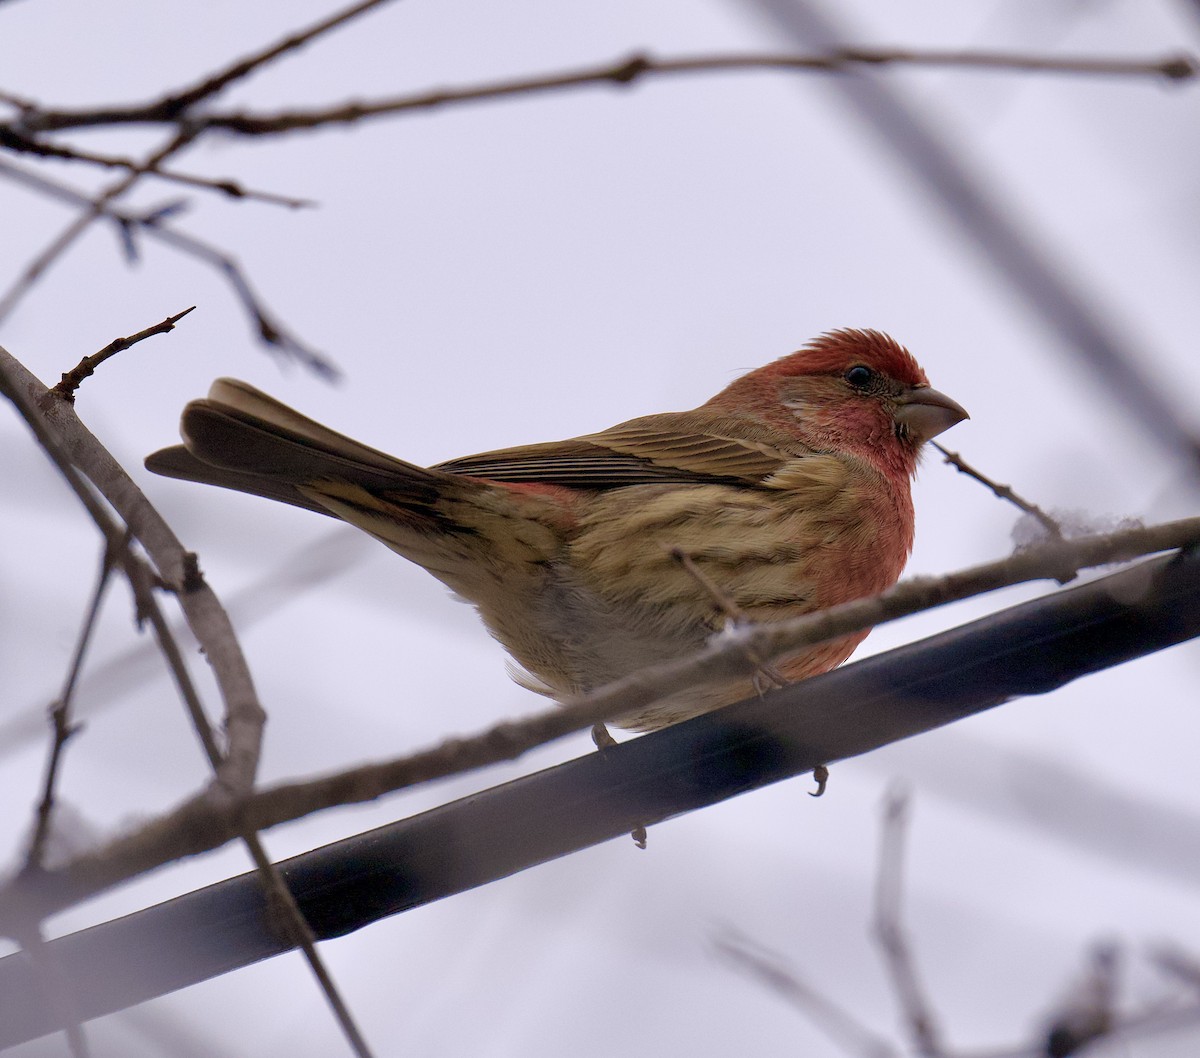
(855, 391)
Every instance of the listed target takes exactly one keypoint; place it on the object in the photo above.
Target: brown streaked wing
(675, 448)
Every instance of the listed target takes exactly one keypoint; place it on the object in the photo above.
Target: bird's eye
(860, 376)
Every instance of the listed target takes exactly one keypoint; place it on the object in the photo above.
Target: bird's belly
(649, 577)
(573, 639)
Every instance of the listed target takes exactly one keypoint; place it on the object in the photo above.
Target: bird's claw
(821, 775)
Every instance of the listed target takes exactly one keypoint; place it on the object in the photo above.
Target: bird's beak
(925, 413)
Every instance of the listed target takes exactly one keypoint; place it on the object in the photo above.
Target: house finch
(587, 559)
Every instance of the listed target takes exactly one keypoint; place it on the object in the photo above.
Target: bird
(786, 493)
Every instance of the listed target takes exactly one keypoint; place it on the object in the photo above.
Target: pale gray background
(533, 269)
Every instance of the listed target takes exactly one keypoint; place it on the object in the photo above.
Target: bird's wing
(682, 448)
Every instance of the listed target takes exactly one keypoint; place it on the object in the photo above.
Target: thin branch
(1181, 66)
(53, 446)
(244, 717)
(625, 71)
(289, 916)
(172, 108)
(267, 327)
(73, 379)
(60, 716)
(889, 930)
(636, 67)
(1004, 492)
(17, 102)
(60, 192)
(34, 269)
(27, 930)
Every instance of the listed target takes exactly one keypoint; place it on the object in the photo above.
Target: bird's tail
(239, 438)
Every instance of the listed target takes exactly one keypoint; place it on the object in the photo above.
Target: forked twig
(94, 209)
(153, 225)
(173, 107)
(22, 143)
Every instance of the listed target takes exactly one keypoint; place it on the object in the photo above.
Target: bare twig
(210, 86)
(17, 102)
(1089, 1012)
(34, 269)
(154, 226)
(889, 929)
(73, 379)
(837, 1022)
(1178, 67)
(639, 66)
(60, 716)
(1004, 492)
(268, 329)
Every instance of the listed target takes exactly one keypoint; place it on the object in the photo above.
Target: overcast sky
(533, 269)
